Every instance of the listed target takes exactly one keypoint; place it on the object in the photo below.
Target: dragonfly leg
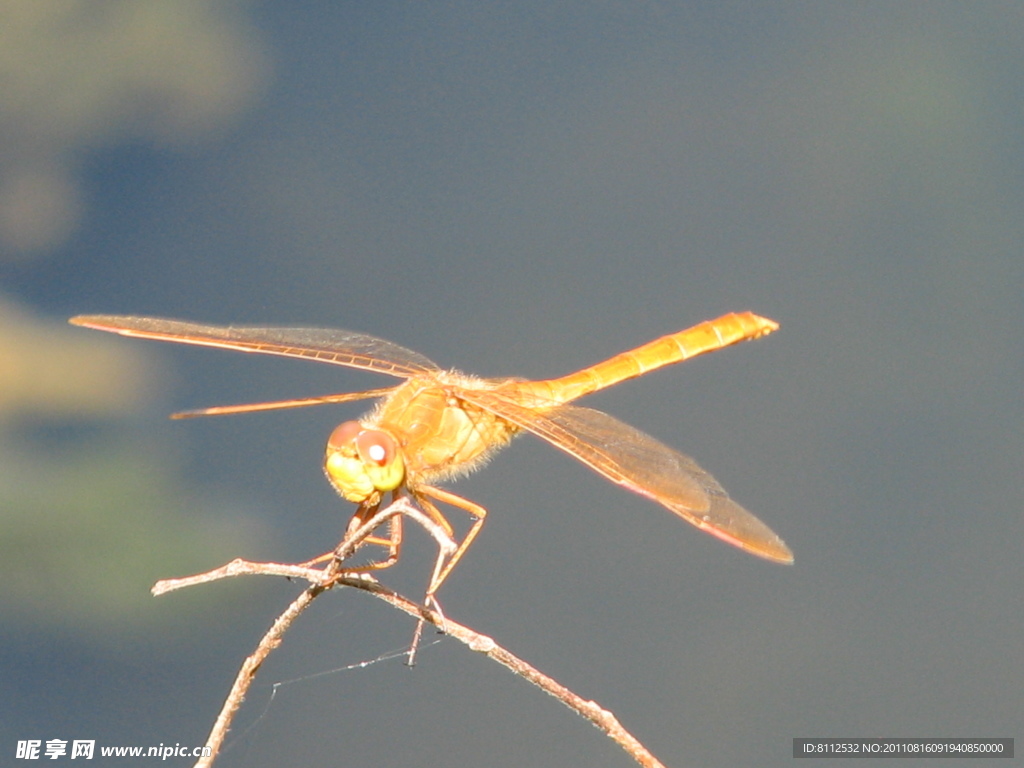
(393, 541)
(347, 546)
(444, 566)
(448, 553)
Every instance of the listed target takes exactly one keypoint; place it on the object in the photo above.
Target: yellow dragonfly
(437, 425)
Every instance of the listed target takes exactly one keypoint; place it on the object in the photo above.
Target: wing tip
(98, 322)
(777, 552)
(770, 547)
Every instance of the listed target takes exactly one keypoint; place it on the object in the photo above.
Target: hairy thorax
(442, 436)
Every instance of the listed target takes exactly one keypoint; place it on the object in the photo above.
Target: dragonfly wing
(353, 350)
(642, 464)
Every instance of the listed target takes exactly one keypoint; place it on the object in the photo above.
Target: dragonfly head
(362, 461)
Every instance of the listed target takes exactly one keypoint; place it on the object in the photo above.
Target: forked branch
(334, 575)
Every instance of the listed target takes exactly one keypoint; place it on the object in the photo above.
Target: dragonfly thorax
(441, 434)
(362, 461)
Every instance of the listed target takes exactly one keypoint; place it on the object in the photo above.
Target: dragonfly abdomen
(666, 350)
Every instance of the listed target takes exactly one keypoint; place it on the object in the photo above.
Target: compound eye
(375, 447)
(344, 435)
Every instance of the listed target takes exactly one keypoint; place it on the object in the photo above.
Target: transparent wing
(642, 464)
(353, 350)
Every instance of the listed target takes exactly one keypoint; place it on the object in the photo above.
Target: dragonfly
(438, 425)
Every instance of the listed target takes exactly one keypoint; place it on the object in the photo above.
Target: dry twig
(334, 575)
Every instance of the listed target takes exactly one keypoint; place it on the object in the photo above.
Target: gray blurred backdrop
(518, 189)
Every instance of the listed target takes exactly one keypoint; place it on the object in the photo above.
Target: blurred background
(518, 189)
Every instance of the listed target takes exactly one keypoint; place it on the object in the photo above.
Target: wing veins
(337, 347)
(639, 462)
